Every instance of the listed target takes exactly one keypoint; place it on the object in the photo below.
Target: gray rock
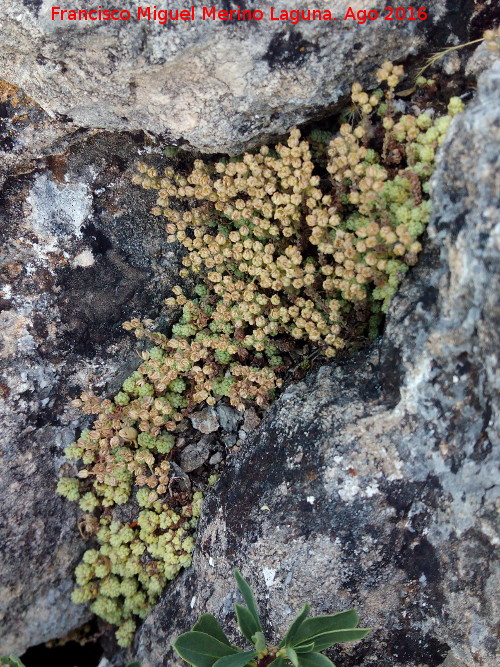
(79, 255)
(481, 60)
(205, 420)
(216, 85)
(229, 418)
(195, 455)
(27, 134)
(250, 422)
(229, 439)
(181, 479)
(215, 458)
(453, 662)
(380, 472)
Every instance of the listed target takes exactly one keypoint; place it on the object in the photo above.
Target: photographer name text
(294, 16)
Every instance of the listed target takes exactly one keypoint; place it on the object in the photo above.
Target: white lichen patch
(371, 459)
(269, 575)
(57, 211)
(349, 490)
(84, 258)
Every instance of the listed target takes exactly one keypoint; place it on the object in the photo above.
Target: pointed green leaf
(314, 660)
(238, 660)
(259, 641)
(279, 662)
(320, 624)
(327, 639)
(304, 648)
(210, 626)
(246, 622)
(296, 623)
(201, 650)
(247, 594)
(292, 656)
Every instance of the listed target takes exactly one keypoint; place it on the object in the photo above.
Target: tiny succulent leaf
(259, 641)
(320, 624)
(294, 628)
(246, 622)
(11, 661)
(327, 639)
(201, 650)
(292, 656)
(279, 662)
(238, 660)
(247, 594)
(315, 660)
(210, 626)
(134, 664)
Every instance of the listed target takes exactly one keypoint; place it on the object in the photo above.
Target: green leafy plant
(206, 645)
(11, 661)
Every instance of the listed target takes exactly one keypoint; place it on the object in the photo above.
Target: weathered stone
(453, 662)
(215, 458)
(79, 255)
(205, 420)
(481, 60)
(27, 133)
(229, 418)
(380, 472)
(217, 85)
(230, 439)
(250, 422)
(194, 455)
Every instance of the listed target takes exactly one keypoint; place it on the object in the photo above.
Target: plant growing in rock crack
(206, 645)
(298, 245)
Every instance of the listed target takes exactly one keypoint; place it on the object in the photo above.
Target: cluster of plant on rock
(284, 250)
(124, 576)
(206, 645)
(303, 242)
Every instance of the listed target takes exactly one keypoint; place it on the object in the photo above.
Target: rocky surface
(216, 85)
(27, 133)
(371, 484)
(205, 420)
(374, 483)
(79, 254)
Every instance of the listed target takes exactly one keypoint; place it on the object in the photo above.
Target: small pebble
(205, 420)
(194, 455)
(229, 418)
(215, 458)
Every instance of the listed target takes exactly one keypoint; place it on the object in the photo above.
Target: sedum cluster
(128, 449)
(301, 242)
(285, 250)
(123, 578)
